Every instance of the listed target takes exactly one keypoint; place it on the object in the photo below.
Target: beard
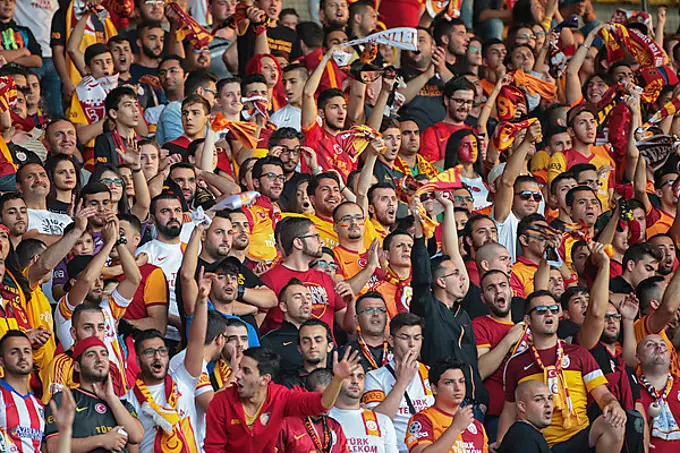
(150, 52)
(608, 338)
(93, 376)
(498, 312)
(311, 252)
(313, 361)
(665, 270)
(96, 300)
(169, 231)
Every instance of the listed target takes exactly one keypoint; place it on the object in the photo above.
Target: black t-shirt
(58, 33)
(567, 329)
(294, 378)
(283, 42)
(427, 107)
(383, 174)
(138, 71)
(619, 285)
(377, 353)
(93, 417)
(14, 34)
(284, 342)
(523, 438)
(58, 207)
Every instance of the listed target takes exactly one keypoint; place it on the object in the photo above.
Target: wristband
(240, 292)
(136, 170)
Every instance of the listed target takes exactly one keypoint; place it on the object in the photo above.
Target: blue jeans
(50, 86)
(492, 28)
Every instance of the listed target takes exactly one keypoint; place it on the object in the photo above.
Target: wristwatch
(122, 240)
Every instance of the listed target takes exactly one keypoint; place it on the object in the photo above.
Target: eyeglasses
(151, 352)
(427, 196)
(526, 195)
(456, 272)
(612, 317)
(374, 311)
(536, 237)
(294, 151)
(469, 102)
(155, 2)
(111, 181)
(460, 198)
(350, 219)
(316, 236)
(668, 182)
(274, 177)
(542, 310)
(208, 90)
(325, 264)
(199, 51)
(164, 72)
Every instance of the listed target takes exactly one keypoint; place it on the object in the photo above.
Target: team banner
(656, 150)
(356, 140)
(505, 133)
(641, 47)
(242, 131)
(444, 182)
(8, 93)
(534, 85)
(404, 38)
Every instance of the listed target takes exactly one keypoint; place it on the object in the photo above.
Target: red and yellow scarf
(173, 433)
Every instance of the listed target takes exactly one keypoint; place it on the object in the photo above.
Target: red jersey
(328, 150)
(152, 291)
(673, 399)
(522, 277)
(488, 334)
(294, 436)
(435, 137)
(325, 303)
(22, 422)
(226, 422)
(471, 266)
(615, 269)
(401, 13)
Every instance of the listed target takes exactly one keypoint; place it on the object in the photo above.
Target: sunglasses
(459, 199)
(111, 181)
(526, 195)
(427, 196)
(542, 310)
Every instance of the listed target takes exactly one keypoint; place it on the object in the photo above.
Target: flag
(668, 109)
(534, 85)
(188, 28)
(445, 181)
(122, 8)
(640, 46)
(369, 53)
(8, 93)
(505, 133)
(506, 102)
(356, 140)
(656, 150)
(624, 16)
(653, 80)
(239, 20)
(241, 131)
(404, 38)
(450, 8)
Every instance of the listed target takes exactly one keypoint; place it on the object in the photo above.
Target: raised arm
(309, 109)
(573, 84)
(53, 254)
(450, 238)
(187, 272)
(93, 270)
(640, 183)
(366, 175)
(660, 317)
(356, 102)
(133, 276)
(629, 310)
(515, 164)
(660, 25)
(73, 44)
(485, 114)
(132, 156)
(632, 151)
(377, 113)
(591, 330)
(193, 361)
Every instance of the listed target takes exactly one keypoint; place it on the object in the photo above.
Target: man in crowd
(315, 343)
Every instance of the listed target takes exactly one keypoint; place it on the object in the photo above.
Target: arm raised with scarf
(450, 245)
(573, 81)
(309, 108)
(590, 332)
(73, 44)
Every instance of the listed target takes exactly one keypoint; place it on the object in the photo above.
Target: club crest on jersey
(101, 408)
(371, 425)
(566, 361)
(472, 428)
(264, 418)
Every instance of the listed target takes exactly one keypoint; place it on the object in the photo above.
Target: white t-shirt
(47, 222)
(507, 232)
(357, 423)
(287, 116)
(199, 422)
(380, 382)
(479, 192)
(37, 15)
(186, 385)
(169, 258)
(113, 307)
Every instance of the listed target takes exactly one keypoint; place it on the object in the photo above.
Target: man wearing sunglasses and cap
(105, 423)
(571, 374)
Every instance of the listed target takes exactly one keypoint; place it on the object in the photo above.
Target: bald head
(493, 256)
(534, 403)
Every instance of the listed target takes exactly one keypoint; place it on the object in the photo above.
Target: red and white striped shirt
(22, 420)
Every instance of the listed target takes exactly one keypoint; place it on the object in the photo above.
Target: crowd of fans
(224, 230)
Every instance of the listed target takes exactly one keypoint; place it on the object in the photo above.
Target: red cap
(86, 344)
